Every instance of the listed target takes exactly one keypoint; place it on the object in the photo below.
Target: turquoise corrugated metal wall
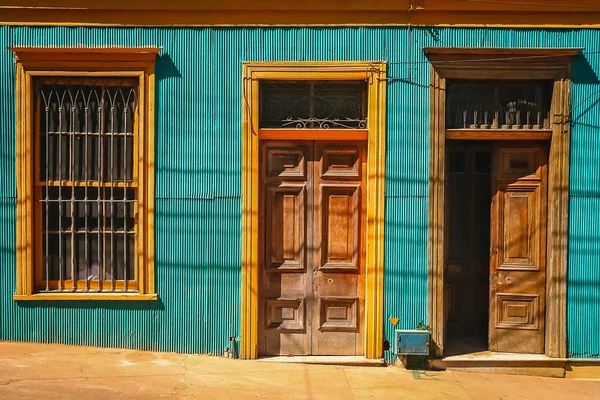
(198, 178)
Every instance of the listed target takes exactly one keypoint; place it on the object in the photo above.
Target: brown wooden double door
(496, 235)
(312, 249)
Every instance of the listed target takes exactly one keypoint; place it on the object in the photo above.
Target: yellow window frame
(376, 76)
(82, 62)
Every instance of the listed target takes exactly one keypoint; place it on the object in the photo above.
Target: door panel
(285, 233)
(339, 240)
(341, 227)
(285, 286)
(518, 249)
(312, 249)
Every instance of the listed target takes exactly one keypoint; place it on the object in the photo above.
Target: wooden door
(518, 248)
(312, 248)
(339, 248)
(285, 286)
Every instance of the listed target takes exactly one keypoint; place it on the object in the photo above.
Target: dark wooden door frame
(477, 63)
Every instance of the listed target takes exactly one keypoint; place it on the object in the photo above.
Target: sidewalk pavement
(37, 371)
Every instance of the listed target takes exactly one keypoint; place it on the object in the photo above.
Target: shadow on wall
(166, 68)
(583, 73)
(94, 305)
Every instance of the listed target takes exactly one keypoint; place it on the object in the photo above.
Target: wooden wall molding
(556, 66)
(514, 13)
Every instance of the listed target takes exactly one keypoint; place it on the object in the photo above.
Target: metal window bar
(60, 207)
(74, 121)
(72, 178)
(46, 198)
(100, 192)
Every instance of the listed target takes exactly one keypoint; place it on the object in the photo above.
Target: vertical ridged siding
(7, 118)
(583, 283)
(198, 180)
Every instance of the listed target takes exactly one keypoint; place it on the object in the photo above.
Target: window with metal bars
(86, 191)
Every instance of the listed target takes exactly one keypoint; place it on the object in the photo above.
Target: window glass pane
(472, 104)
(313, 104)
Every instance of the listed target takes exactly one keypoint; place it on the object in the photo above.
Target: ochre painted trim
(85, 296)
(375, 74)
(250, 276)
(63, 51)
(540, 14)
(559, 69)
(313, 134)
(313, 5)
(85, 62)
(375, 213)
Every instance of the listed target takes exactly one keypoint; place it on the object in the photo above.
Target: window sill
(85, 296)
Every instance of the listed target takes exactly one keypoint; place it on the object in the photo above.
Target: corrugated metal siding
(7, 118)
(583, 282)
(198, 184)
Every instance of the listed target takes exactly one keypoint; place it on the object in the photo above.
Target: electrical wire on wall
(369, 71)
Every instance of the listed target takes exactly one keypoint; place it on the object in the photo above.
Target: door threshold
(356, 361)
(494, 356)
(505, 363)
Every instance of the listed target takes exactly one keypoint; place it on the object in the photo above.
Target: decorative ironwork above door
(313, 104)
(478, 104)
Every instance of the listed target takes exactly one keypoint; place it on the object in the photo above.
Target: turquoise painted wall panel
(583, 292)
(197, 276)
(198, 181)
(7, 118)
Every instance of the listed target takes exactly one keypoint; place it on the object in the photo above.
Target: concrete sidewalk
(65, 372)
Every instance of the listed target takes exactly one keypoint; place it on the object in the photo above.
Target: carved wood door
(312, 224)
(518, 248)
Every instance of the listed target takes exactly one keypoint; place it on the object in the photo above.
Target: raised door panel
(285, 314)
(518, 259)
(286, 163)
(341, 163)
(285, 227)
(341, 224)
(337, 314)
(519, 249)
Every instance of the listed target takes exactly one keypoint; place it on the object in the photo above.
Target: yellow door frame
(374, 73)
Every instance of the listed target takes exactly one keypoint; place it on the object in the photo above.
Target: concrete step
(357, 361)
(504, 363)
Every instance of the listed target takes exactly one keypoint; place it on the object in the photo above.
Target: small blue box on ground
(412, 342)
